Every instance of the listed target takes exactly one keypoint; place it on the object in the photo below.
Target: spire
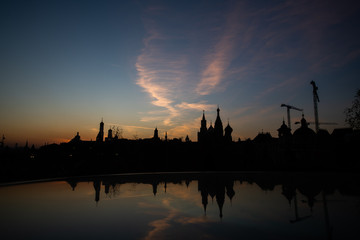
(203, 123)
(156, 134)
(100, 136)
(154, 185)
(219, 131)
(97, 187)
(203, 129)
(303, 122)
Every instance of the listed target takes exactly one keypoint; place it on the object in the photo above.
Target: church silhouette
(214, 134)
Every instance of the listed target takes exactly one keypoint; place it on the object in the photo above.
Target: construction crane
(288, 112)
(316, 100)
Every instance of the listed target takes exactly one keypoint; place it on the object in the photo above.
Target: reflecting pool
(184, 206)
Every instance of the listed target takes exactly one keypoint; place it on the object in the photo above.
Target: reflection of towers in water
(97, 187)
(215, 189)
(202, 187)
(289, 191)
(310, 190)
(220, 197)
(229, 185)
(72, 183)
(154, 186)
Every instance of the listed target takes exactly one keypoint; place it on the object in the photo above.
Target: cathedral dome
(228, 128)
(304, 130)
(304, 134)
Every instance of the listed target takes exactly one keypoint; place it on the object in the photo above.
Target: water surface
(184, 206)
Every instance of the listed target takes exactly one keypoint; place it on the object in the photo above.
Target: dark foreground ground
(91, 158)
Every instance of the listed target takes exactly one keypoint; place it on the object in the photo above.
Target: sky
(66, 65)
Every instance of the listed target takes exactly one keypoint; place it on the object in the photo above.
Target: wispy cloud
(219, 58)
(163, 74)
(159, 75)
(260, 51)
(186, 128)
(196, 106)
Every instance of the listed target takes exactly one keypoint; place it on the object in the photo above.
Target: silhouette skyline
(146, 64)
(302, 150)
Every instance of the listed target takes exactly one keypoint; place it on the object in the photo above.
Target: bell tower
(100, 136)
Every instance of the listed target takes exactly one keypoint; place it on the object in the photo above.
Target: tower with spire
(214, 134)
(218, 128)
(100, 136)
(203, 129)
(110, 136)
(156, 134)
(304, 136)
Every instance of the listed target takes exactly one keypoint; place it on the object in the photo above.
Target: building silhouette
(284, 131)
(110, 136)
(100, 136)
(285, 136)
(304, 136)
(218, 129)
(156, 134)
(228, 131)
(76, 139)
(202, 134)
(214, 134)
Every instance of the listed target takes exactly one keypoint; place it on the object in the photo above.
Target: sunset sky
(65, 65)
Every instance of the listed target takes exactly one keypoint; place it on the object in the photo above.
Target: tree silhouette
(352, 114)
(118, 132)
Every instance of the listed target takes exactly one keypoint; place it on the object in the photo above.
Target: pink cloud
(196, 106)
(158, 76)
(218, 60)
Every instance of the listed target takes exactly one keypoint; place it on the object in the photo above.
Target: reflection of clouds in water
(166, 202)
(169, 225)
(175, 226)
(160, 225)
(127, 196)
(129, 190)
(174, 212)
(194, 220)
(147, 205)
(189, 194)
